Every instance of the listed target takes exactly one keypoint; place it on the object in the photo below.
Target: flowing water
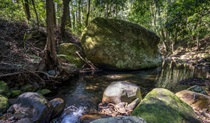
(84, 95)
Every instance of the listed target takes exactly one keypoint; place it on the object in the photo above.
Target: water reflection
(172, 73)
(88, 90)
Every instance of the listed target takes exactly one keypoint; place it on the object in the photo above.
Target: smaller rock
(4, 89)
(27, 88)
(3, 104)
(196, 100)
(44, 91)
(68, 51)
(197, 89)
(121, 119)
(87, 118)
(16, 93)
(52, 72)
(121, 91)
(25, 120)
(58, 106)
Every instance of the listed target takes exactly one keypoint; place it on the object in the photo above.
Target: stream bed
(85, 93)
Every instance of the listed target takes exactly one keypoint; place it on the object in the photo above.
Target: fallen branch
(89, 63)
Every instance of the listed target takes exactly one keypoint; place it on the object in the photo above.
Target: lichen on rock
(162, 106)
(120, 45)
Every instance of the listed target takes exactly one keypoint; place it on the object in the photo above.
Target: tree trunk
(54, 15)
(27, 9)
(50, 58)
(73, 16)
(37, 18)
(88, 13)
(79, 14)
(65, 16)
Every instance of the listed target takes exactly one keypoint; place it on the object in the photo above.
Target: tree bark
(51, 61)
(73, 16)
(79, 14)
(54, 15)
(27, 9)
(37, 18)
(65, 19)
(88, 13)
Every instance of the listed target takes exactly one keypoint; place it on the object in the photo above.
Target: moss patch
(68, 51)
(4, 89)
(3, 104)
(162, 106)
(117, 44)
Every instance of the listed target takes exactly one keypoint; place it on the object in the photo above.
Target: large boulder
(121, 119)
(162, 106)
(121, 91)
(120, 45)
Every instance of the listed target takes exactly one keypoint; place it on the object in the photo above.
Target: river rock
(4, 89)
(15, 92)
(120, 119)
(121, 91)
(3, 104)
(120, 45)
(58, 106)
(30, 105)
(196, 100)
(27, 88)
(198, 89)
(68, 51)
(162, 106)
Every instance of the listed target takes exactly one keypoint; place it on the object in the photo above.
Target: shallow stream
(84, 94)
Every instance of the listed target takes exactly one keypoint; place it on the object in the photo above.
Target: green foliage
(11, 10)
(172, 20)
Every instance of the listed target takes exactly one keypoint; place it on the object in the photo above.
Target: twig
(92, 66)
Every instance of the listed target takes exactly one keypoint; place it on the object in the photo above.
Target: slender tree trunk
(88, 13)
(65, 16)
(116, 10)
(54, 15)
(73, 16)
(27, 9)
(50, 47)
(79, 14)
(106, 10)
(37, 18)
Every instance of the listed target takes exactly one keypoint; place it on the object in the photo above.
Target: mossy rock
(120, 119)
(27, 88)
(16, 93)
(120, 45)
(4, 89)
(68, 51)
(44, 91)
(3, 104)
(162, 106)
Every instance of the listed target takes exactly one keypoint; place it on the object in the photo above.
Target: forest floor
(190, 54)
(21, 50)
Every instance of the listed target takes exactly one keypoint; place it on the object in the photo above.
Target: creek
(84, 94)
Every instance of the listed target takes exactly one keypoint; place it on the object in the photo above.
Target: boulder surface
(120, 45)
(162, 106)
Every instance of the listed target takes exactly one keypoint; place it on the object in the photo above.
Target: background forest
(173, 20)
